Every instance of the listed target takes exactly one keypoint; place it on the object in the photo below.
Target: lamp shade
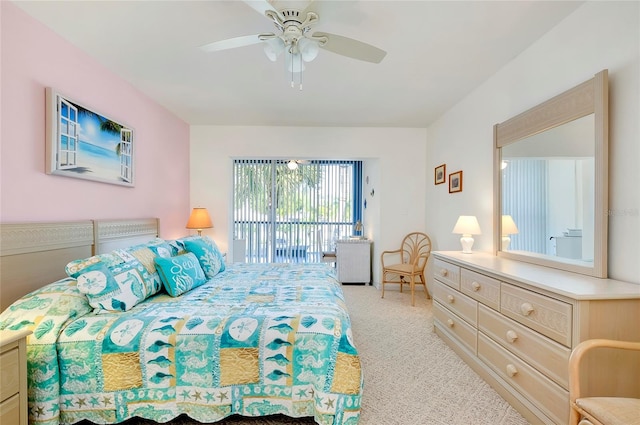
(308, 49)
(199, 220)
(508, 226)
(467, 225)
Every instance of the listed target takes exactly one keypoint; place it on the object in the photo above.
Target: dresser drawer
(481, 287)
(455, 325)
(546, 315)
(549, 397)
(457, 302)
(546, 355)
(447, 273)
(9, 373)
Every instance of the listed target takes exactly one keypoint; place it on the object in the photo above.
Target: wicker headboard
(34, 254)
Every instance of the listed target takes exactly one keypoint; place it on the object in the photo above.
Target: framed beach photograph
(455, 182)
(441, 174)
(86, 144)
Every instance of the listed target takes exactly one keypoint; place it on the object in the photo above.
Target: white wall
(598, 35)
(394, 162)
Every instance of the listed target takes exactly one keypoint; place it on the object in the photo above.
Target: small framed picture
(455, 182)
(441, 174)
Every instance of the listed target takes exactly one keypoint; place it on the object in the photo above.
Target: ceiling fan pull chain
(301, 71)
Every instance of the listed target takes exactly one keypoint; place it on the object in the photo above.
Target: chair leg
(413, 290)
(426, 290)
(383, 280)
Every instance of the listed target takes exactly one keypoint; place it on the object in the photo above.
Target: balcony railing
(292, 241)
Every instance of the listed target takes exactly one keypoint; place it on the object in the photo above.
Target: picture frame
(455, 182)
(440, 174)
(85, 144)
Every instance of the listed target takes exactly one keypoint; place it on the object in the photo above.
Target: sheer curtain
(528, 207)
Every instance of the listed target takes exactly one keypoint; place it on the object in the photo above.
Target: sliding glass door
(292, 211)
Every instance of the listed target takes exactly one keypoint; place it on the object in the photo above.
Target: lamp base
(506, 240)
(467, 242)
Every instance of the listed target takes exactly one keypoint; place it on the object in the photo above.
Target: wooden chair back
(415, 249)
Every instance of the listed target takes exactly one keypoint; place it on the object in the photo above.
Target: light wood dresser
(13, 378)
(516, 323)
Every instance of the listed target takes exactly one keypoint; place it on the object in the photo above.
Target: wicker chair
(407, 262)
(600, 410)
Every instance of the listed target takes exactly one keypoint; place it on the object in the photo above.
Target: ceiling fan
(294, 21)
(292, 164)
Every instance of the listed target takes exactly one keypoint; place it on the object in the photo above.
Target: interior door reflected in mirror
(548, 191)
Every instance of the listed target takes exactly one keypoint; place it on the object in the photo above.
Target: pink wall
(33, 57)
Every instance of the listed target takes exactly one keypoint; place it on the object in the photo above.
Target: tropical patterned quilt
(255, 340)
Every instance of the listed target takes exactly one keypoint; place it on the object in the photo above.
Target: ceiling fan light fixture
(309, 49)
(273, 48)
(294, 63)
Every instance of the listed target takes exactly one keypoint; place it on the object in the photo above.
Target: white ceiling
(437, 52)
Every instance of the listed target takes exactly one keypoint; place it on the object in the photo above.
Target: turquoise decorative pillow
(180, 274)
(120, 279)
(208, 254)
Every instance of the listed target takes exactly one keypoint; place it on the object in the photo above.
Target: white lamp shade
(308, 49)
(293, 62)
(467, 225)
(508, 226)
(273, 48)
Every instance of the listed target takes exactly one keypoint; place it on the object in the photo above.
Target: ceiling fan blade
(260, 6)
(349, 47)
(232, 43)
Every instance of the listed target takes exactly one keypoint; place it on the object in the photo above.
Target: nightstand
(353, 258)
(13, 377)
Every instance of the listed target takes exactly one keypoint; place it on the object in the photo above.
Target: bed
(253, 339)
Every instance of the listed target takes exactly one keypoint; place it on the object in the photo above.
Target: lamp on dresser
(508, 228)
(199, 220)
(467, 226)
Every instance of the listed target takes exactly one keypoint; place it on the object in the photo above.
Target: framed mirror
(551, 181)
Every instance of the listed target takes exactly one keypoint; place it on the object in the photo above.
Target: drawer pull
(450, 323)
(526, 309)
(444, 272)
(511, 370)
(512, 336)
(450, 298)
(476, 286)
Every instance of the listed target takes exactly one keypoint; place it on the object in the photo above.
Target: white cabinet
(516, 323)
(353, 257)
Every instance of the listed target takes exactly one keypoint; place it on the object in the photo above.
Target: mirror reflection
(548, 192)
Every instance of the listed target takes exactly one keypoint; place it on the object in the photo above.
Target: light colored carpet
(411, 376)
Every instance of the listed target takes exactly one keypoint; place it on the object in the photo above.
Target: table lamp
(199, 220)
(507, 228)
(467, 225)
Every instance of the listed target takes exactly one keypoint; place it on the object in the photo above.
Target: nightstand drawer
(455, 325)
(546, 315)
(447, 273)
(13, 377)
(9, 373)
(548, 396)
(10, 410)
(481, 287)
(546, 355)
(457, 302)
